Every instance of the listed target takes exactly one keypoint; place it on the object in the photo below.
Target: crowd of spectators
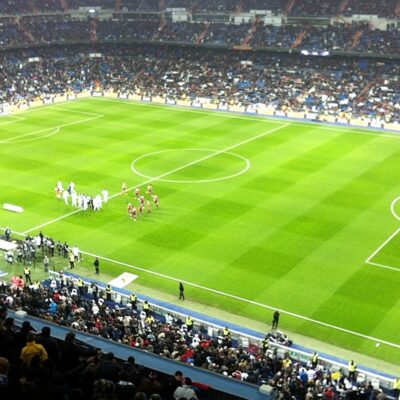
(36, 366)
(302, 8)
(39, 367)
(340, 37)
(325, 86)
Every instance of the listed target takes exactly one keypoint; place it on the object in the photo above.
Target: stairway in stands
(160, 28)
(397, 10)
(93, 29)
(342, 7)
(118, 5)
(363, 94)
(239, 7)
(356, 39)
(64, 5)
(203, 34)
(299, 39)
(289, 6)
(250, 34)
(28, 34)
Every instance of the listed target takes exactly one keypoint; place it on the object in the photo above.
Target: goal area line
(370, 259)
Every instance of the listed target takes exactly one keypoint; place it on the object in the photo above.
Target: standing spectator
(65, 249)
(189, 323)
(46, 262)
(8, 234)
(108, 368)
(352, 370)
(49, 343)
(275, 320)
(108, 292)
(181, 291)
(133, 300)
(95, 291)
(97, 266)
(185, 391)
(314, 360)
(27, 273)
(32, 349)
(71, 260)
(396, 388)
(174, 382)
(146, 308)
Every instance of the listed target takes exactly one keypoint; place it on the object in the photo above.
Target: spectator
(32, 350)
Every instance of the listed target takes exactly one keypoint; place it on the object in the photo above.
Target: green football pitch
(255, 214)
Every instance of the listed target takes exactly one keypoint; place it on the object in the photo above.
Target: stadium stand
(331, 86)
(63, 301)
(364, 84)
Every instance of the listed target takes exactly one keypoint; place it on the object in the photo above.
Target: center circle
(161, 177)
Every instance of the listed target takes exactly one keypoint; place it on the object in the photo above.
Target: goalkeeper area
(255, 214)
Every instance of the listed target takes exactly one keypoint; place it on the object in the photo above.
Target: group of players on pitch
(144, 204)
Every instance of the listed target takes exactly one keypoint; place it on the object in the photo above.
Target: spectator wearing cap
(32, 350)
(185, 391)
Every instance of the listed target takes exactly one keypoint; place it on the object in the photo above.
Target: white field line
(165, 174)
(383, 266)
(216, 153)
(35, 228)
(9, 140)
(248, 301)
(368, 260)
(392, 210)
(13, 139)
(239, 298)
(12, 232)
(78, 111)
(382, 245)
(13, 120)
(256, 117)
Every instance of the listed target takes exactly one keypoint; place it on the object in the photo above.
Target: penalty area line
(382, 246)
(382, 266)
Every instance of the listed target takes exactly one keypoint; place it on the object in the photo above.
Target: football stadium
(200, 199)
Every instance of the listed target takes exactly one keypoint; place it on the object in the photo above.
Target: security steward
(108, 292)
(133, 300)
(189, 323)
